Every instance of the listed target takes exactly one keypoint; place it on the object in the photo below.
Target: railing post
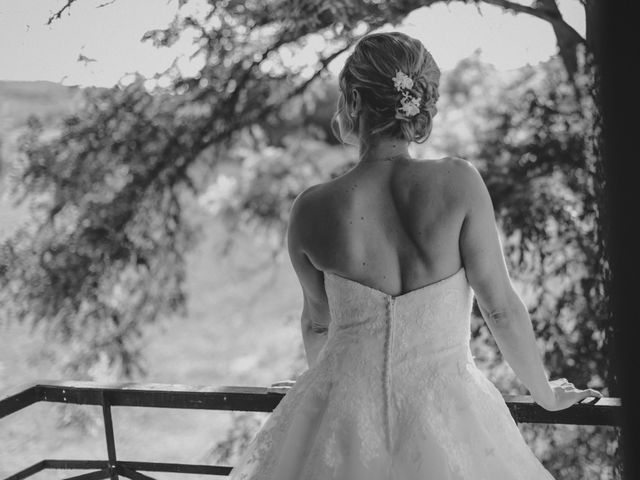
(108, 431)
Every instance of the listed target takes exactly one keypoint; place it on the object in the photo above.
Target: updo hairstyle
(371, 69)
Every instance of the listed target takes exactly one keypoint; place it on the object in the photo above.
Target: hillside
(47, 100)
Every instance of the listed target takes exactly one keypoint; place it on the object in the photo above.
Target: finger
(589, 393)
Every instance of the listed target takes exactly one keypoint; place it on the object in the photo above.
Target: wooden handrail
(248, 399)
(603, 411)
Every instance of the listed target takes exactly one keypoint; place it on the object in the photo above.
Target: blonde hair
(370, 70)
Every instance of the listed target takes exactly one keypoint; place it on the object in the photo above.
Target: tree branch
(67, 6)
(567, 37)
(59, 13)
(549, 13)
(543, 13)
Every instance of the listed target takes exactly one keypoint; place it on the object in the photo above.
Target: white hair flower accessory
(410, 104)
(402, 81)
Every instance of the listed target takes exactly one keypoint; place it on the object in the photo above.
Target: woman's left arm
(315, 316)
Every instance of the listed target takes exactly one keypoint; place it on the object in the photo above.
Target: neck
(384, 149)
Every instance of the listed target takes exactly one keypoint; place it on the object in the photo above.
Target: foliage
(540, 174)
(104, 254)
(541, 170)
(94, 264)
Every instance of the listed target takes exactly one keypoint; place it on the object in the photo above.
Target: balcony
(603, 411)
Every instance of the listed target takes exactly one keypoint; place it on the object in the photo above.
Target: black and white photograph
(318, 240)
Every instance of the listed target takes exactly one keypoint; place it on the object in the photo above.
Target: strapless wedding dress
(395, 395)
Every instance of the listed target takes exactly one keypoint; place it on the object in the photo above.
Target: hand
(565, 394)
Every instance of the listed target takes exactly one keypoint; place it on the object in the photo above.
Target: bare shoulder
(456, 168)
(462, 178)
(308, 198)
(305, 206)
(443, 166)
(453, 176)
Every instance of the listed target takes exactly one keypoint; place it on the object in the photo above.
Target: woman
(389, 256)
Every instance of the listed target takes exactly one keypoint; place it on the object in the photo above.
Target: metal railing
(603, 411)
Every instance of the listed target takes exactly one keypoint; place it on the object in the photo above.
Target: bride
(389, 257)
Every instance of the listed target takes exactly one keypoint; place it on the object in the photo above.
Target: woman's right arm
(502, 308)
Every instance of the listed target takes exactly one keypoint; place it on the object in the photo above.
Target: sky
(108, 32)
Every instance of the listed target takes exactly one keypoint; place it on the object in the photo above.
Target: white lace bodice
(431, 319)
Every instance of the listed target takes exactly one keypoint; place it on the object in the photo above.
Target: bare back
(394, 226)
